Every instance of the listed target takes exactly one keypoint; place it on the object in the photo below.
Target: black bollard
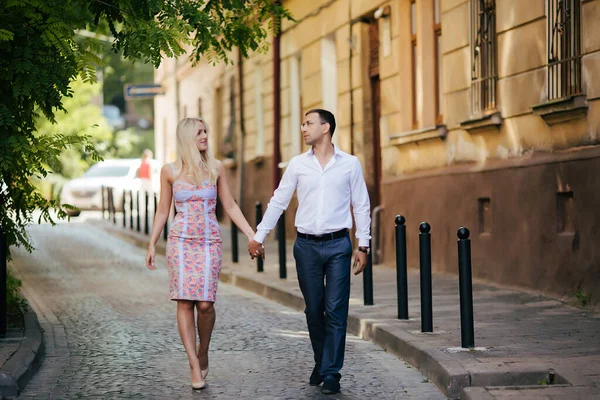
(137, 204)
(467, 334)
(259, 260)
(3, 255)
(124, 209)
(111, 202)
(425, 259)
(166, 229)
(401, 267)
(235, 257)
(368, 279)
(281, 240)
(155, 205)
(103, 202)
(131, 209)
(146, 221)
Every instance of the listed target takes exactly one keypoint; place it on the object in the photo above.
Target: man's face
(313, 129)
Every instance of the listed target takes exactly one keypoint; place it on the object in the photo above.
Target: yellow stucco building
(476, 113)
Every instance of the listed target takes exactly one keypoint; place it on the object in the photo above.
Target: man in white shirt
(328, 181)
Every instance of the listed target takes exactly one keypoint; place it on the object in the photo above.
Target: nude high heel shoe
(204, 372)
(198, 385)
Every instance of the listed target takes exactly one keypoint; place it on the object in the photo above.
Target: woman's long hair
(197, 163)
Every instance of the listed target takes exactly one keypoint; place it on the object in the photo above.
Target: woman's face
(201, 138)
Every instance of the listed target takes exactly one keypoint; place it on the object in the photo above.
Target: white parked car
(85, 192)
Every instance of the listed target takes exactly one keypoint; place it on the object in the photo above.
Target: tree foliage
(42, 51)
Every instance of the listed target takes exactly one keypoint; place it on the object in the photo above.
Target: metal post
(166, 228)
(281, 239)
(124, 209)
(155, 204)
(259, 260)
(108, 205)
(368, 279)
(467, 334)
(146, 221)
(137, 203)
(234, 243)
(425, 259)
(131, 209)
(401, 267)
(3, 255)
(112, 205)
(103, 202)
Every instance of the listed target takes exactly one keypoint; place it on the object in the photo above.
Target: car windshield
(101, 171)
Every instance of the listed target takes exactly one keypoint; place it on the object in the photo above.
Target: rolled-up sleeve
(278, 203)
(361, 205)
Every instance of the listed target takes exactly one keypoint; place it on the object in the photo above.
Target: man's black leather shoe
(330, 385)
(315, 377)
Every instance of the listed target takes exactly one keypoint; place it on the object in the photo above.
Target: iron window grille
(564, 49)
(483, 53)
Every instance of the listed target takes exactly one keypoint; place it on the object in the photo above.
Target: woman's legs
(206, 323)
(187, 331)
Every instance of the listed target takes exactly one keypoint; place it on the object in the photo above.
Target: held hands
(150, 258)
(360, 262)
(256, 249)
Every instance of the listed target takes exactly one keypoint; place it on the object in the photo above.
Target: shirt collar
(336, 151)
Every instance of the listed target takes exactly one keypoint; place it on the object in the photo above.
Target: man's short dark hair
(326, 118)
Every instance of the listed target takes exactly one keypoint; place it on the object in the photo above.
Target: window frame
(564, 69)
(484, 58)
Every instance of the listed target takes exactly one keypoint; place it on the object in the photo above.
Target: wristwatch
(364, 249)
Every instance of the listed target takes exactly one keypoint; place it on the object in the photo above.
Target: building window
(483, 53)
(228, 149)
(260, 111)
(564, 48)
(413, 31)
(437, 26)
(218, 122)
(329, 76)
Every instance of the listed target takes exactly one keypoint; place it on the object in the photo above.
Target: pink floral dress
(194, 244)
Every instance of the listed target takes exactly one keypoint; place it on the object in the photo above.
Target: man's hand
(360, 262)
(256, 249)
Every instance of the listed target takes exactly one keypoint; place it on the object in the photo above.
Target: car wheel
(73, 213)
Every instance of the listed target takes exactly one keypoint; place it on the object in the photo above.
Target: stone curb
(438, 366)
(21, 367)
(448, 375)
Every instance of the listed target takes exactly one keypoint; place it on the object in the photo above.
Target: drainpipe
(177, 113)
(276, 105)
(242, 174)
(351, 40)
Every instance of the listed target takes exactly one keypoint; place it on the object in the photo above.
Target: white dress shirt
(324, 197)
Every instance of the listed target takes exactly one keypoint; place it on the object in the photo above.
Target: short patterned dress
(194, 244)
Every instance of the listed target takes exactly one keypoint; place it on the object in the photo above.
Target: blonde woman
(193, 250)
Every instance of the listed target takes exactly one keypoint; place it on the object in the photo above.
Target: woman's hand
(150, 258)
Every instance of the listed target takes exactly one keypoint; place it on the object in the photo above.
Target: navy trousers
(324, 277)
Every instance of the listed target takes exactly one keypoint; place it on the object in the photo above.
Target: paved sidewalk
(527, 345)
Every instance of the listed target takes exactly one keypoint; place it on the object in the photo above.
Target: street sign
(142, 91)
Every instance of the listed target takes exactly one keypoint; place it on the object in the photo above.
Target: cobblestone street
(110, 332)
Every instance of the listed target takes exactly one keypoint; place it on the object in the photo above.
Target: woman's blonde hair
(198, 163)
